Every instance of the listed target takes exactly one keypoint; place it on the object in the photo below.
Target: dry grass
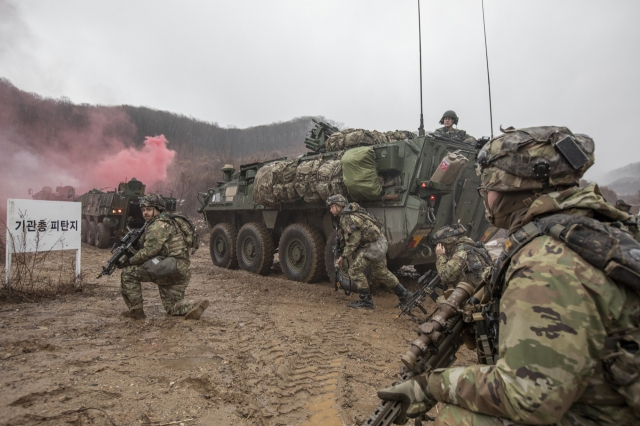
(38, 274)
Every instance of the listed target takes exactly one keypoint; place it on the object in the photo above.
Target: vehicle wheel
(103, 236)
(424, 268)
(222, 246)
(84, 230)
(301, 253)
(255, 248)
(91, 234)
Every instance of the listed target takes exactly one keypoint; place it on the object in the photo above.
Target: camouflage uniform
(455, 134)
(358, 232)
(364, 245)
(452, 266)
(558, 314)
(161, 238)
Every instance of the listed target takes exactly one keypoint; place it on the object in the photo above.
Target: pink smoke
(148, 164)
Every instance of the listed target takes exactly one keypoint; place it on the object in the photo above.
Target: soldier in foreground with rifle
(564, 294)
(163, 259)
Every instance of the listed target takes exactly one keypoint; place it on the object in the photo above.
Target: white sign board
(41, 226)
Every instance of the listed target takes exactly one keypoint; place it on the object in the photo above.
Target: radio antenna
(486, 53)
(421, 128)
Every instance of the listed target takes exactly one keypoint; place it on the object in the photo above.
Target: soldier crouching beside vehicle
(164, 260)
(459, 258)
(366, 245)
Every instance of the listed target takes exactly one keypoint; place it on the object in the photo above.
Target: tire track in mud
(292, 377)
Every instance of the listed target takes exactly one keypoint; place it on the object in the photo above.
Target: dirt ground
(268, 351)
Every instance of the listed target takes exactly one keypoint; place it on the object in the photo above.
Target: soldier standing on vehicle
(449, 118)
(364, 244)
(569, 335)
(459, 258)
(164, 260)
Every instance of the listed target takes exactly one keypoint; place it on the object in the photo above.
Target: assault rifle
(439, 339)
(419, 296)
(337, 252)
(122, 250)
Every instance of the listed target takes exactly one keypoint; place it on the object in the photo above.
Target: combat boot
(198, 308)
(136, 314)
(365, 301)
(403, 294)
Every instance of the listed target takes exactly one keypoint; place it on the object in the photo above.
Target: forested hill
(204, 137)
(36, 121)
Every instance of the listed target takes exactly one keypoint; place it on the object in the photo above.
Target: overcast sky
(249, 62)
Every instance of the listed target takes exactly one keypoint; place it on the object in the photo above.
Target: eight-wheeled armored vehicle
(411, 205)
(108, 215)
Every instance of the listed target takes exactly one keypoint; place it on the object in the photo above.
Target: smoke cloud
(52, 142)
(148, 164)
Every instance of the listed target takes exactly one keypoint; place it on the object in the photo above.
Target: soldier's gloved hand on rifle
(414, 396)
(124, 264)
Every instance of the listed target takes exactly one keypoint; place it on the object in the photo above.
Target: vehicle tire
(222, 246)
(424, 268)
(255, 248)
(103, 236)
(91, 234)
(84, 230)
(301, 253)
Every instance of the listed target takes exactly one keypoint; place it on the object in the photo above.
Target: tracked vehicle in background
(414, 202)
(107, 215)
(62, 193)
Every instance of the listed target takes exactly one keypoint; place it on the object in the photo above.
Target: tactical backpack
(605, 246)
(477, 258)
(371, 225)
(187, 229)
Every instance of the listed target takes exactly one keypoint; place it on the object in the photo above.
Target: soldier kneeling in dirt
(164, 260)
(363, 242)
(459, 258)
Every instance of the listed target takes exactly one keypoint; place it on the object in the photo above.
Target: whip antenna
(421, 128)
(486, 53)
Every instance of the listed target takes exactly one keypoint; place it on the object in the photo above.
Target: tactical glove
(124, 264)
(414, 396)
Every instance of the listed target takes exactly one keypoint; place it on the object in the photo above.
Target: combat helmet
(623, 206)
(153, 200)
(450, 114)
(448, 234)
(337, 199)
(534, 158)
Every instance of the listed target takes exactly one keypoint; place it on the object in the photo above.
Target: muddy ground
(268, 351)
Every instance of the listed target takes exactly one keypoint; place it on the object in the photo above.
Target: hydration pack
(478, 257)
(187, 229)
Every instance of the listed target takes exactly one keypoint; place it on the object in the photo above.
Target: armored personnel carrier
(424, 183)
(62, 193)
(107, 215)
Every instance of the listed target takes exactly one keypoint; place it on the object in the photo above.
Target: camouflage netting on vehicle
(349, 138)
(287, 181)
(360, 174)
(273, 183)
